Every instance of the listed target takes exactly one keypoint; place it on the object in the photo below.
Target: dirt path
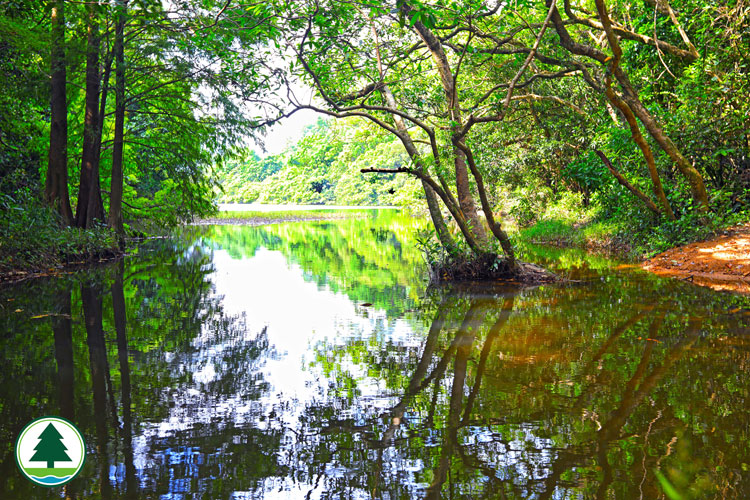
(722, 263)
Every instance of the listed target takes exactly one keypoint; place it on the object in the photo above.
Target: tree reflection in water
(491, 392)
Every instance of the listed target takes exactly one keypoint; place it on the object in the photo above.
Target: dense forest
(123, 115)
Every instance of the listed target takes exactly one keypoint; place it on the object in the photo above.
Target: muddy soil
(722, 263)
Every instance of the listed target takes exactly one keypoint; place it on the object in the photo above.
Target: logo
(50, 451)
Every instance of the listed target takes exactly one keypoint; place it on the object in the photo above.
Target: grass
(597, 235)
(45, 471)
(628, 239)
(32, 239)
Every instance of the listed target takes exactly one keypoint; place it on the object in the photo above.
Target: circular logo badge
(50, 451)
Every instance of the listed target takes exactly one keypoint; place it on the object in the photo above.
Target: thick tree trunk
(465, 198)
(89, 194)
(56, 185)
(115, 198)
(444, 235)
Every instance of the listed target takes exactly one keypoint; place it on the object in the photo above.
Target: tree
(115, 199)
(50, 448)
(89, 193)
(56, 187)
(384, 78)
(629, 102)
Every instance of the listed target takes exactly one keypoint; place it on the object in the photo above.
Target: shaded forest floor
(721, 263)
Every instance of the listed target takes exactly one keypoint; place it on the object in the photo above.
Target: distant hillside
(323, 168)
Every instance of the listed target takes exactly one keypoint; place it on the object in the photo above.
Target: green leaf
(667, 487)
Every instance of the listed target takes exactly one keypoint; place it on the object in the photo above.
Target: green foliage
(32, 238)
(588, 172)
(197, 90)
(323, 167)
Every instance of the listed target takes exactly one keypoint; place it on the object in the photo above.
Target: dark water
(240, 362)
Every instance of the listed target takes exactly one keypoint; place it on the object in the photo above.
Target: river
(310, 360)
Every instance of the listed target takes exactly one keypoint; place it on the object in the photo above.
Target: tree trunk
(463, 188)
(635, 133)
(495, 227)
(432, 204)
(691, 174)
(115, 198)
(446, 240)
(96, 206)
(88, 192)
(624, 182)
(56, 185)
(630, 96)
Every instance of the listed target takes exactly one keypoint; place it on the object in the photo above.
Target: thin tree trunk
(635, 132)
(96, 206)
(495, 227)
(463, 188)
(691, 174)
(87, 191)
(694, 178)
(446, 240)
(115, 198)
(630, 96)
(433, 206)
(627, 185)
(56, 185)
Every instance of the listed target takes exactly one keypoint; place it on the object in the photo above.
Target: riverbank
(43, 254)
(33, 243)
(720, 263)
(594, 237)
(264, 217)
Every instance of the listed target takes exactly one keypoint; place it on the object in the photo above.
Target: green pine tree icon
(50, 448)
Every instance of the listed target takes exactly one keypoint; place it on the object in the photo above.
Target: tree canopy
(127, 110)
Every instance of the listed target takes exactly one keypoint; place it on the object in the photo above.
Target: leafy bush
(32, 237)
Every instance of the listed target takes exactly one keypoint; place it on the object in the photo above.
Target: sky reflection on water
(307, 360)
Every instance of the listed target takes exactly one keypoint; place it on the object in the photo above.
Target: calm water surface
(309, 360)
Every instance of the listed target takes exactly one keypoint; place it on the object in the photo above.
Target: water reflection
(193, 375)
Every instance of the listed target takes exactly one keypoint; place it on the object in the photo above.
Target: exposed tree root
(488, 267)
